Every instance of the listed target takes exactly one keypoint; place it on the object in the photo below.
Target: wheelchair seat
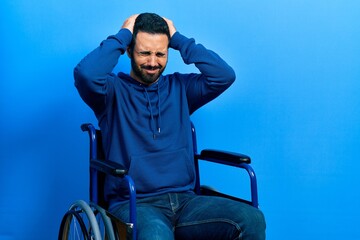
(92, 221)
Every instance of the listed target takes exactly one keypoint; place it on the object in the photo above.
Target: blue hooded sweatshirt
(147, 128)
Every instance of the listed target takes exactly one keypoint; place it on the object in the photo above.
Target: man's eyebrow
(144, 51)
(158, 53)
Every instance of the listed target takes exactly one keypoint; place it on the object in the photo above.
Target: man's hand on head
(171, 26)
(129, 23)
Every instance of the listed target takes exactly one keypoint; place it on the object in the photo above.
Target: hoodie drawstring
(159, 118)
(153, 124)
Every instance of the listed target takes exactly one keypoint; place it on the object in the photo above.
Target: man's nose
(152, 60)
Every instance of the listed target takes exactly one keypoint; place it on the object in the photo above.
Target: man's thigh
(151, 222)
(219, 218)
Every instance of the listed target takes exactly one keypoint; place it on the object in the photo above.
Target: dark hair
(149, 23)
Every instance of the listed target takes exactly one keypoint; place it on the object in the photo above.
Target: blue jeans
(189, 216)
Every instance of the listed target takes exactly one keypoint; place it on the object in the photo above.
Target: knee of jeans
(259, 219)
(255, 225)
(155, 230)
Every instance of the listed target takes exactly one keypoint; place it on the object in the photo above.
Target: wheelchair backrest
(97, 179)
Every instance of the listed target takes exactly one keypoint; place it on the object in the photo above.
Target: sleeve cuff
(176, 40)
(124, 36)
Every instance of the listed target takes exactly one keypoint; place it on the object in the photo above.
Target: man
(145, 121)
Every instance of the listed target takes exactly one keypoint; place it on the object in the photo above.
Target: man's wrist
(124, 36)
(175, 40)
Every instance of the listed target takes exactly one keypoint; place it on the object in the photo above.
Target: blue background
(294, 107)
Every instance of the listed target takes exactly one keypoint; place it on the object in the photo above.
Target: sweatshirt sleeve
(94, 72)
(216, 75)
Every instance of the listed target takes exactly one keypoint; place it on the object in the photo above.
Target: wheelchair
(91, 220)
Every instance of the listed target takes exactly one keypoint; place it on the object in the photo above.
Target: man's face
(149, 57)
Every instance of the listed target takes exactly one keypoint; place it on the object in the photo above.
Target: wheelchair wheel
(79, 223)
(104, 223)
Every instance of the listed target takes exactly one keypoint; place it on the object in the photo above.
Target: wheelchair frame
(98, 165)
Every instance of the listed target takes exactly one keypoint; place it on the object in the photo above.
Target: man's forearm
(208, 62)
(92, 72)
(101, 61)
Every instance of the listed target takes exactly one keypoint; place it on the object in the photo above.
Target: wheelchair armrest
(231, 159)
(224, 156)
(108, 167)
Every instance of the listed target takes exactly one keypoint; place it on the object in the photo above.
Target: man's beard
(139, 71)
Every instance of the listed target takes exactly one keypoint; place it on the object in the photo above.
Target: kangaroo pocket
(163, 170)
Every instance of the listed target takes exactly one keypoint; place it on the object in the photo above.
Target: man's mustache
(151, 67)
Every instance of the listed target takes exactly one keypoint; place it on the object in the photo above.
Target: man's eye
(160, 55)
(144, 53)
(147, 54)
